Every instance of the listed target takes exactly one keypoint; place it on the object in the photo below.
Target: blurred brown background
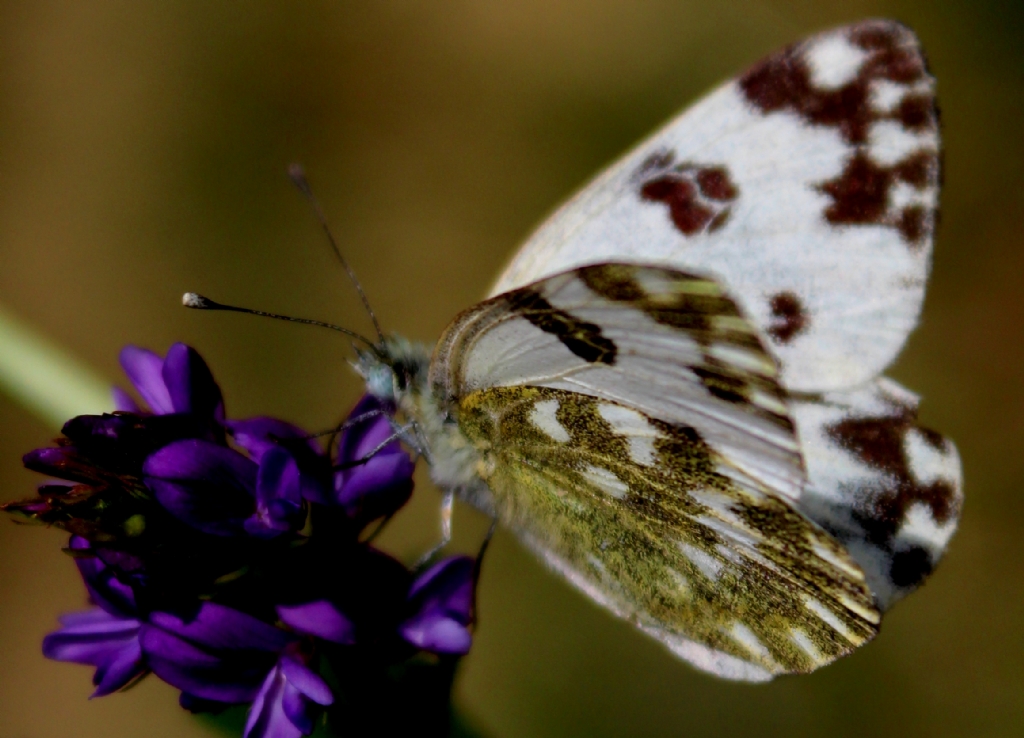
(143, 148)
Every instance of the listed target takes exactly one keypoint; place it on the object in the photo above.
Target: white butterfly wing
(673, 346)
(808, 187)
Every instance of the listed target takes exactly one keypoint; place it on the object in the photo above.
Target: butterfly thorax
(397, 372)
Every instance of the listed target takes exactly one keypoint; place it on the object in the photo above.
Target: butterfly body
(673, 395)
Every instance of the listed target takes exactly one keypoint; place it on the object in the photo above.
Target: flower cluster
(229, 557)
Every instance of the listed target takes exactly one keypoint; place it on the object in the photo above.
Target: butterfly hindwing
(630, 428)
(808, 186)
(890, 490)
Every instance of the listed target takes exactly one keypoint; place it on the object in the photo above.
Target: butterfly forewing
(668, 343)
(631, 429)
(809, 186)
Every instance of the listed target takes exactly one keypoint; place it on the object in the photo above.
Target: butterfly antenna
(298, 177)
(198, 302)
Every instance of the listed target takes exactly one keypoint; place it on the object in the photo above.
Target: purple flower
(179, 383)
(218, 491)
(441, 600)
(381, 484)
(258, 436)
(226, 557)
(219, 654)
(103, 455)
(97, 638)
(207, 486)
(106, 637)
(289, 700)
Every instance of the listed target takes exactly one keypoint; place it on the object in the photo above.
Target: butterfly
(674, 393)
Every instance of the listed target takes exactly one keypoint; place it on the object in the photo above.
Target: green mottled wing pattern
(629, 426)
(709, 566)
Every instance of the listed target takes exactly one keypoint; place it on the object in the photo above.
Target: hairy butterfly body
(674, 394)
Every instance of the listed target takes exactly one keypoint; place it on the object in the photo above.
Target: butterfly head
(394, 369)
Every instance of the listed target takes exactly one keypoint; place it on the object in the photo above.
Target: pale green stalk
(44, 378)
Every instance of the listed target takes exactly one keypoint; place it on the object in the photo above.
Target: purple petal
(99, 639)
(104, 588)
(120, 671)
(437, 635)
(278, 478)
(305, 680)
(223, 628)
(364, 437)
(448, 583)
(377, 488)
(87, 637)
(207, 486)
(319, 618)
(442, 600)
(297, 709)
(123, 401)
(59, 461)
(190, 384)
(145, 370)
(278, 496)
(266, 718)
(201, 674)
(259, 435)
(286, 705)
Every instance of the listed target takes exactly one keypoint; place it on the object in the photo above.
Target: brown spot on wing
(783, 81)
(715, 184)
(789, 317)
(879, 443)
(680, 195)
(698, 197)
(862, 194)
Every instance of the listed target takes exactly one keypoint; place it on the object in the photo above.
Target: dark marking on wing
(690, 311)
(789, 317)
(698, 197)
(910, 566)
(722, 385)
(879, 442)
(861, 195)
(695, 306)
(783, 81)
(582, 338)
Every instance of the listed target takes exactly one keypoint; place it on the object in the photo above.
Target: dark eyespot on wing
(582, 338)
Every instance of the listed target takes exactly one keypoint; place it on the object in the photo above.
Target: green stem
(45, 379)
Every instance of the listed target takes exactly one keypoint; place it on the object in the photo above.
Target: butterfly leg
(447, 503)
(398, 435)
